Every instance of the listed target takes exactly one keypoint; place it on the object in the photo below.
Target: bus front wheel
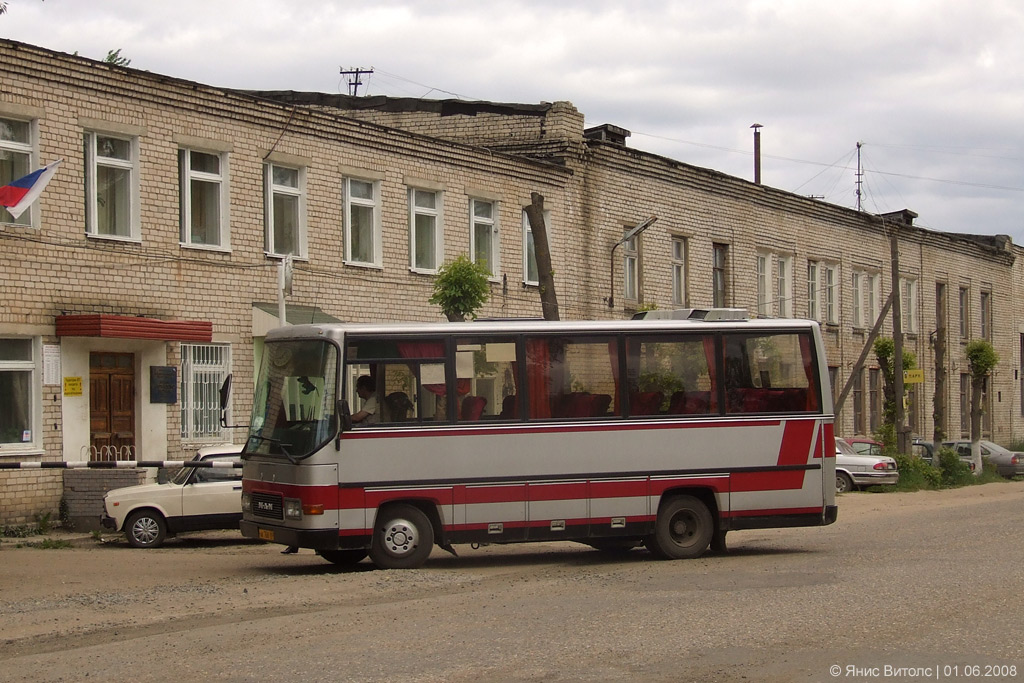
(402, 538)
(683, 529)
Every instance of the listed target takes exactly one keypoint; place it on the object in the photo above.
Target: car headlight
(292, 508)
(246, 503)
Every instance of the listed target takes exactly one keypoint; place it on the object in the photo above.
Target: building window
(362, 222)
(858, 403)
(986, 315)
(425, 241)
(16, 155)
(111, 186)
(813, 291)
(866, 293)
(785, 286)
(764, 295)
(631, 268)
(875, 398)
(483, 234)
(530, 271)
(204, 198)
(18, 429)
(719, 279)
(965, 313)
(203, 369)
(965, 404)
(831, 289)
(285, 193)
(679, 294)
(908, 306)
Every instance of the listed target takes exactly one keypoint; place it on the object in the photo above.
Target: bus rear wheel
(683, 529)
(343, 558)
(402, 538)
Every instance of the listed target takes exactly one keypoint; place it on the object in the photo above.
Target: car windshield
(294, 407)
(842, 446)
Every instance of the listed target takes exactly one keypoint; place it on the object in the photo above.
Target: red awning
(131, 327)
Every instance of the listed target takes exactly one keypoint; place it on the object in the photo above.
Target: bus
(667, 431)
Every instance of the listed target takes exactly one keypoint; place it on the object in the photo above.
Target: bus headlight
(292, 508)
(246, 503)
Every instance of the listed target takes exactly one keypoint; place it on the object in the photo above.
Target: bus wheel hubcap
(400, 536)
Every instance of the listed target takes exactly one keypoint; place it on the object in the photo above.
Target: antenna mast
(354, 72)
(860, 176)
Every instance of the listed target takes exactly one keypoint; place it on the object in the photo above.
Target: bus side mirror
(225, 395)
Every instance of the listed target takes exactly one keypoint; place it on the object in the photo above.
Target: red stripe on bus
(518, 428)
(794, 450)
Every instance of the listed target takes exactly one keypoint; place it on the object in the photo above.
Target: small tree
(981, 359)
(461, 288)
(885, 348)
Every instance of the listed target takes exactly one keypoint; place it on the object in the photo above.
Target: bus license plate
(266, 535)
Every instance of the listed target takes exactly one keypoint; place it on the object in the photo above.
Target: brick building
(149, 268)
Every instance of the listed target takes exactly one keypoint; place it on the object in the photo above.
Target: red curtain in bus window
(709, 356)
(805, 352)
(613, 355)
(431, 350)
(538, 366)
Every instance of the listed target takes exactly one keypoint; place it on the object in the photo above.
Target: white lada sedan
(195, 499)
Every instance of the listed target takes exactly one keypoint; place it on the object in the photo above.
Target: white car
(195, 499)
(854, 469)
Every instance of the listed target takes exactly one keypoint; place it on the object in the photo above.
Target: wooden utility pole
(545, 273)
(897, 337)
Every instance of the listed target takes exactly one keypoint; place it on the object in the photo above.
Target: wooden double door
(112, 405)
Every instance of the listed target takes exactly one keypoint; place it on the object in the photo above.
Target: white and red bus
(662, 431)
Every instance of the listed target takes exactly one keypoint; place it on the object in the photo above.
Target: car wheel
(682, 530)
(343, 558)
(402, 539)
(145, 529)
(843, 482)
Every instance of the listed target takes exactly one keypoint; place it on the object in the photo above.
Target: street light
(629, 235)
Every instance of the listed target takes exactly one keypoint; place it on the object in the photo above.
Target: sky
(932, 89)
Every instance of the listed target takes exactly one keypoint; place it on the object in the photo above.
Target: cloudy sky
(934, 89)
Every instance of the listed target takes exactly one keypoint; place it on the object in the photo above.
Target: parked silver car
(854, 470)
(1008, 463)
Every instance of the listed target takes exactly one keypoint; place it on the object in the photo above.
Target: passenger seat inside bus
(473, 408)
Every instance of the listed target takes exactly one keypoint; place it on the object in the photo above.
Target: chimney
(757, 152)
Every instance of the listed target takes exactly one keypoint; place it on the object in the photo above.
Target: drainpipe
(757, 152)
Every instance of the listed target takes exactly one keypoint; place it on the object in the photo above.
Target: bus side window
(571, 377)
(671, 374)
(485, 370)
(769, 373)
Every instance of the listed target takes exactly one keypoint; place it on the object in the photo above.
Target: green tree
(981, 360)
(461, 288)
(114, 57)
(885, 349)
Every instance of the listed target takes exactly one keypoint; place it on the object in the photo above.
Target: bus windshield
(294, 405)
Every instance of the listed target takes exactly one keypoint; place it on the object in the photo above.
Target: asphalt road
(904, 587)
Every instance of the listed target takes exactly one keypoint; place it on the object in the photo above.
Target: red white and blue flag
(19, 194)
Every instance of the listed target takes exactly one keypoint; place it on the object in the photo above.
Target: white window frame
(203, 369)
(34, 399)
(29, 218)
(813, 291)
(764, 293)
(493, 258)
(631, 268)
(857, 298)
(831, 289)
(785, 286)
(680, 252)
(908, 305)
(874, 282)
(437, 214)
(374, 205)
(985, 313)
(528, 247)
(219, 179)
(964, 295)
(270, 191)
(92, 162)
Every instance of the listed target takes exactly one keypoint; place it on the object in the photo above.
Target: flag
(20, 193)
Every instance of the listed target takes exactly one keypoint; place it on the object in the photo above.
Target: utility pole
(354, 72)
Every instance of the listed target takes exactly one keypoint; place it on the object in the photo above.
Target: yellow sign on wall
(72, 386)
(913, 376)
